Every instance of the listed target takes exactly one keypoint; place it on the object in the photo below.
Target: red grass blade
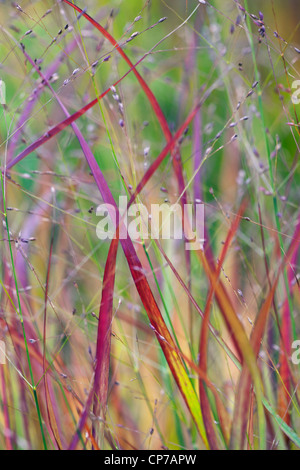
(148, 300)
(176, 160)
(64, 124)
(157, 110)
(101, 381)
(284, 392)
(148, 92)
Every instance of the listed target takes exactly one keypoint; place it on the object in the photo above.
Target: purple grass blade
(27, 112)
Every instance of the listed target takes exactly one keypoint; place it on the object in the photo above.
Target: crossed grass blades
(150, 346)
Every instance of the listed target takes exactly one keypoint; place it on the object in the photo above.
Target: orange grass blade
(238, 434)
(242, 404)
(8, 439)
(205, 406)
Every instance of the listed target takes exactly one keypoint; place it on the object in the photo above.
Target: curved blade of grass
(215, 334)
(26, 114)
(241, 407)
(101, 381)
(101, 185)
(64, 124)
(288, 431)
(238, 434)
(154, 314)
(176, 160)
(238, 333)
(156, 163)
(153, 101)
(20, 314)
(285, 350)
(143, 183)
(203, 345)
(145, 292)
(147, 298)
